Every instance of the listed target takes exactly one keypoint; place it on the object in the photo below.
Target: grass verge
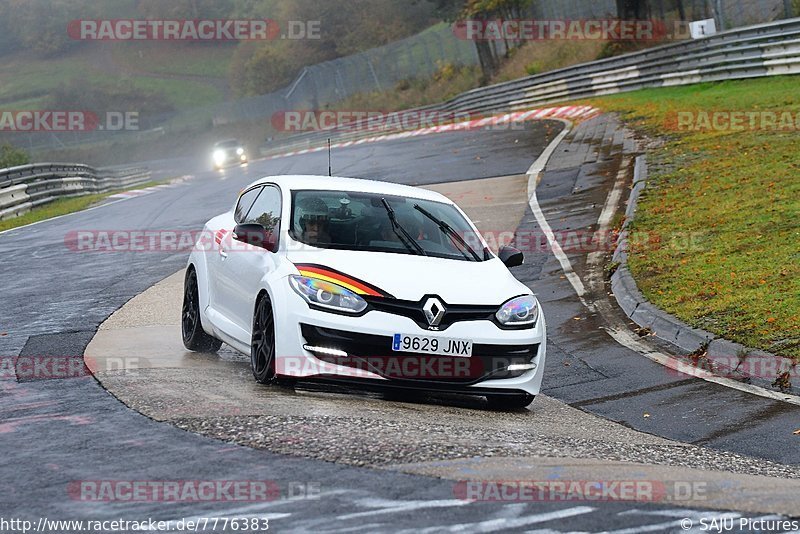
(64, 206)
(716, 239)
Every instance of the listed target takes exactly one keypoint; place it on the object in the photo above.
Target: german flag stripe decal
(337, 277)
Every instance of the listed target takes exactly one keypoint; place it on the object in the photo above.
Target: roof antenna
(329, 157)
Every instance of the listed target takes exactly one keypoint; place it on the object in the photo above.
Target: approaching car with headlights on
(363, 282)
(229, 152)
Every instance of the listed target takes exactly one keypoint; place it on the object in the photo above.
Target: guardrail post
(720, 15)
(375, 76)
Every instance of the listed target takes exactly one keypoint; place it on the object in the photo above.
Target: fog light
(326, 350)
(521, 367)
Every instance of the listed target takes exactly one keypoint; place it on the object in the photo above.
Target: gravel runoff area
(216, 396)
(368, 443)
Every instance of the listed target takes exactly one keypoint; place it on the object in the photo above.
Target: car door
(220, 253)
(245, 265)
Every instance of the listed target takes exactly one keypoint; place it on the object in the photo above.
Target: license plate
(432, 345)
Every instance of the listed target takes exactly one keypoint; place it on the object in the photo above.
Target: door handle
(219, 236)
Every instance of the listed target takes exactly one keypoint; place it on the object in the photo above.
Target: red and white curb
(565, 112)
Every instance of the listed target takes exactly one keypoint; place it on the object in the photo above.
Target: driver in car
(314, 221)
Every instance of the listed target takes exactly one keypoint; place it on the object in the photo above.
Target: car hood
(410, 277)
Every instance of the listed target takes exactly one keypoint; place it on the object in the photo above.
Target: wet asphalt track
(57, 431)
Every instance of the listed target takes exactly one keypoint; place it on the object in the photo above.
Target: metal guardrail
(764, 50)
(755, 51)
(28, 186)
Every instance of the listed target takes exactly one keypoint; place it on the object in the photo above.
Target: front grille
(368, 352)
(413, 310)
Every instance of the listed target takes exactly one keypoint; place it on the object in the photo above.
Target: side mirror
(256, 235)
(510, 256)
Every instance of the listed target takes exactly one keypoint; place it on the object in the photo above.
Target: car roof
(360, 185)
(227, 142)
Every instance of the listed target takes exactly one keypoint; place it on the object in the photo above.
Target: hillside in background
(42, 68)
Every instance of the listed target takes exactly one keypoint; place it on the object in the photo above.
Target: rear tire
(262, 342)
(194, 337)
(510, 402)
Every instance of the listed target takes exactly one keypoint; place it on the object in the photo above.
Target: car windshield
(233, 143)
(350, 220)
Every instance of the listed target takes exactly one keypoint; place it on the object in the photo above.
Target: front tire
(510, 402)
(194, 337)
(262, 343)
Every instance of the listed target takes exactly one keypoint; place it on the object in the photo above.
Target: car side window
(244, 204)
(266, 210)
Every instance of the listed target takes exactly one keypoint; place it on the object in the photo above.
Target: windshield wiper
(449, 232)
(405, 238)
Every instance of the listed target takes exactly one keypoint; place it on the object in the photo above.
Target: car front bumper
(358, 349)
(231, 159)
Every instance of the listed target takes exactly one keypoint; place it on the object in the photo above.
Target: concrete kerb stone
(721, 356)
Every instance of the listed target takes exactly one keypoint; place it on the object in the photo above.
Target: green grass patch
(183, 94)
(64, 206)
(27, 81)
(24, 77)
(192, 59)
(716, 239)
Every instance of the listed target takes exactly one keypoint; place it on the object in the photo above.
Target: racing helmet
(312, 209)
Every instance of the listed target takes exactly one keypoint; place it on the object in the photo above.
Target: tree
(185, 9)
(681, 9)
(345, 27)
(448, 10)
(257, 70)
(633, 9)
(41, 25)
(485, 10)
(11, 156)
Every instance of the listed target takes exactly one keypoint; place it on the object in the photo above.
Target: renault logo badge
(434, 311)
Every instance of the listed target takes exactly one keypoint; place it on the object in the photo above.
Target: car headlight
(327, 295)
(520, 311)
(240, 151)
(219, 157)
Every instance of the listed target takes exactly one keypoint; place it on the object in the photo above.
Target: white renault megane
(365, 282)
